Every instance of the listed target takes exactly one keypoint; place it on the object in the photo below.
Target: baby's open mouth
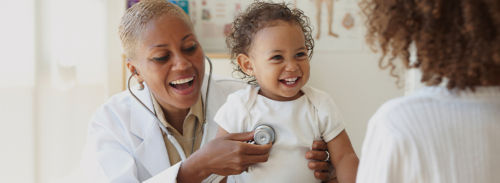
(182, 83)
(290, 81)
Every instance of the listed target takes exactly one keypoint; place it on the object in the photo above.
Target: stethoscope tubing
(170, 137)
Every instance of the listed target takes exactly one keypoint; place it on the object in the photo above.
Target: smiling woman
(171, 65)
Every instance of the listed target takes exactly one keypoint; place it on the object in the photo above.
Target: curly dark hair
(456, 40)
(256, 17)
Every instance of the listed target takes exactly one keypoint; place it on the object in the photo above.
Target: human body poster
(336, 24)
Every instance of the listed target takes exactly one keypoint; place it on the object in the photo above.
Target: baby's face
(279, 61)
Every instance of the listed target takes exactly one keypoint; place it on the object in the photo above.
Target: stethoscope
(263, 133)
(170, 137)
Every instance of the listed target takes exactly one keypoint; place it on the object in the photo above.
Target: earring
(141, 86)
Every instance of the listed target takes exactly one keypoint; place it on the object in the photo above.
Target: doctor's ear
(245, 64)
(133, 70)
(136, 74)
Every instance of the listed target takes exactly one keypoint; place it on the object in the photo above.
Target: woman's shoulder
(118, 108)
(402, 105)
(400, 114)
(117, 102)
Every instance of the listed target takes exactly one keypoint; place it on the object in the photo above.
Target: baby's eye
(277, 57)
(162, 58)
(301, 55)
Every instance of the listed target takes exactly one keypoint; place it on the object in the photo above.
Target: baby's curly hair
(256, 17)
(455, 39)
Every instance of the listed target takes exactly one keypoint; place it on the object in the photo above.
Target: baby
(271, 46)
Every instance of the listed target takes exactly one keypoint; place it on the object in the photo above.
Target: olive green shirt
(192, 134)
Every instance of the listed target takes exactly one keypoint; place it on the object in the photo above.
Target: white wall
(71, 72)
(17, 153)
(356, 84)
(17, 150)
(115, 64)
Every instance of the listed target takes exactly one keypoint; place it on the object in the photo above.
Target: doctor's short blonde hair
(134, 21)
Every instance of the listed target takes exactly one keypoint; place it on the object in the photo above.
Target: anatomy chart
(336, 24)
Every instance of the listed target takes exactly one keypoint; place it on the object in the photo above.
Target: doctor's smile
(183, 86)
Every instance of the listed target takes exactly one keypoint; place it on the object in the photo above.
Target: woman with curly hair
(449, 130)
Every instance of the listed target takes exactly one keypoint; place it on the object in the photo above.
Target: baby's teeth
(182, 81)
(290, 79)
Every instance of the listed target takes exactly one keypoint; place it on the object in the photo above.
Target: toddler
(271, 46)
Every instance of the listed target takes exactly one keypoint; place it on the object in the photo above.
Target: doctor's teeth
(182, 81)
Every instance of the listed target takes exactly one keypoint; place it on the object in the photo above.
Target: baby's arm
(221, 132)
(343, 158)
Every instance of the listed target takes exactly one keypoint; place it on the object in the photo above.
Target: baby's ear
(245, 64)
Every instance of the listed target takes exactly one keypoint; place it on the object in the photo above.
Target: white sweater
(434, 135)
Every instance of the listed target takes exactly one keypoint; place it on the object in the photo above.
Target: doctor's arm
(227, 154)
(323, 170)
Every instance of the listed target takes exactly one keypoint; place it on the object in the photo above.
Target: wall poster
(337, 24)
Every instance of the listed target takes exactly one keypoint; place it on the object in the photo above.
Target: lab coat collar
(141, 120)
(145, 126)
(151, 151)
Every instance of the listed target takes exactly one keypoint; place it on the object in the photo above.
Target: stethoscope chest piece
(263, 134)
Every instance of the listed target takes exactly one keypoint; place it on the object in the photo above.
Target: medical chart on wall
(337, 24)
(212, 21)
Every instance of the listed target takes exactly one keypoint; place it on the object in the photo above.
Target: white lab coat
(125, 143)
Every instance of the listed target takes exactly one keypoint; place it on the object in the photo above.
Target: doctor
(164, 130)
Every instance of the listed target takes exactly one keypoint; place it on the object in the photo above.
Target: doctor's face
(170, 60)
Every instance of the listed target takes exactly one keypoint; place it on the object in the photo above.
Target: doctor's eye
(162, 59)
(191, 48)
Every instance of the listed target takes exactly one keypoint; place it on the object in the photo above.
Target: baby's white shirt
(297, 124)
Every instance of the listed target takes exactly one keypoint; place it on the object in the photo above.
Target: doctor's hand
(225, 155)
(323, 170)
